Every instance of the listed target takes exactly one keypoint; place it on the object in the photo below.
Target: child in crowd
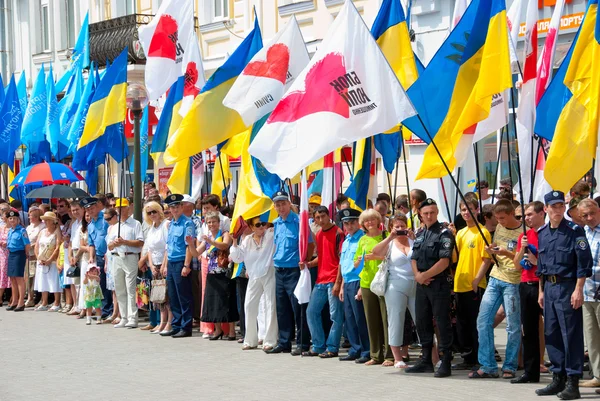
(93, 294)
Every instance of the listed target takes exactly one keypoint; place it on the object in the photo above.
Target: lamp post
(137, 100)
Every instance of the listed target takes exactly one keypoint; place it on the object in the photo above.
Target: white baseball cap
(189, 199)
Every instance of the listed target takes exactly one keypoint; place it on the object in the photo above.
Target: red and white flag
(303, 288)
(163, 42)
(513, 19)
(261, 85)
(193, 72)
(544, 66)
(198, 165)
(347, 92)
(459, 9)
(332, 179)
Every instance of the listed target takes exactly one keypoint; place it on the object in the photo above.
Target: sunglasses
(109, 218)
(167, 212)
(261, 224)
(150, 212)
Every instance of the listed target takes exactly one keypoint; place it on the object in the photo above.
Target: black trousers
(242, 286)
(433, 302)
(530, 317)
(196, 294)
(467, 310)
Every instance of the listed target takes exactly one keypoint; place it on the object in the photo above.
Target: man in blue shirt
(178, 258)
(356, 322)
(97, 230)
(287, 273)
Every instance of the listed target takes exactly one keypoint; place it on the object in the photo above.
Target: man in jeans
(327, 287)
(503, 288)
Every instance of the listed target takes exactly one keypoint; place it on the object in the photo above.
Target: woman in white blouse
(256, 251)
(401, 284)
(155, 247)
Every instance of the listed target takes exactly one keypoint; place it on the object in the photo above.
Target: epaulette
(572, 225)
(542, 227)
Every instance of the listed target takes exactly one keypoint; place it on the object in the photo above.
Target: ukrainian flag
(221, 177)
(108, 104)
(209, 122)
(576, 134)
(169, 119)
(358, 191)
(455, 91)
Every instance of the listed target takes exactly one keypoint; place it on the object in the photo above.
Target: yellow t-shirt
(61, 256)
(471, 250)
(506, 270)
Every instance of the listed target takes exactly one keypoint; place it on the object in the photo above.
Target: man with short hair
(189, 207)
(503, 288)
(580, 190)
(62, 210)
(382, 208)
(18, 205)
(590, 213)
(385, 198)
(527, 251)
(314, 201)
(125, 252)
(506, 185)
(74, 255)
(287, 273)
(417, 196)
(483, 190)
(212, 203)
(327, 288)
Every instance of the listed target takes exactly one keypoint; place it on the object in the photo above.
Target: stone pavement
(48, 356)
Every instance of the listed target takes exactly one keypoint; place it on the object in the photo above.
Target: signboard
(163, 177)
(415, 140)
(568, 22)
(152, 121)
(550, 3)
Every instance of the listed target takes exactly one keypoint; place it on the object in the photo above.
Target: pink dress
(4, 280)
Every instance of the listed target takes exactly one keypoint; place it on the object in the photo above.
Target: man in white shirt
(125, 251)
(483, 189)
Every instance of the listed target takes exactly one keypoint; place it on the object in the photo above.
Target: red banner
(163, 178)
(152, 121)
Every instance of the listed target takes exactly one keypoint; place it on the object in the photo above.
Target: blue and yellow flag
(11, 119)
(170, 119)
(209, 122)
(358, 191)
(221, 179)
(108, 106)
(455, 91)
(576, 134)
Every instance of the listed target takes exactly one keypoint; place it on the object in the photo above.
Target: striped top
(592, 284)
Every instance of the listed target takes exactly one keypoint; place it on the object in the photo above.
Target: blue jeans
(320, 294)
(180, 297)
(107, 302)
(499, 293)
(356, 322)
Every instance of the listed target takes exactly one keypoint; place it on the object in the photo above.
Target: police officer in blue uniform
(17, 244)
(564, 262)
(178, 257)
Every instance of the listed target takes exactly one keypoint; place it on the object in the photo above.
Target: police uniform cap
(174, 199)
(281, 195)
(12, 213)
(554, 197)
(348, 214)
(87, 202)
(427, 202)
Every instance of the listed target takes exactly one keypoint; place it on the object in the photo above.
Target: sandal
(507, 374)
(372, 362)
(309, 353)
(483, 375)
(248, 347)
(400, 365)
(241, 341)
(328, 354)
(387, 364)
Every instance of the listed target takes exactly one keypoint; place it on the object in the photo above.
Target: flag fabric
(269, 74)
(458, 88)
(34, 121)
(459, 9)
(143, 146)
(52, 115)
(193, 73)
(208, 122)
(68, 109)
(198, 165)
(332, 180)
(513, 19)
(11, 119)
(221, 178)
(22, 91)
(179, 181)
(576, 135)
(303, 236)
(546, 60)
(526, 111)
(80, 58)
(238, 268)
(358, 190)
(169, 120)
(76, 128)
(346, 96)
(162, 40)
(2, 91)
(108, 105)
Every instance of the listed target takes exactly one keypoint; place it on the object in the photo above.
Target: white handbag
(379, 283)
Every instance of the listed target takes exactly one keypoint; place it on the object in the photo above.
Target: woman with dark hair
(18, 246)
(4, 280)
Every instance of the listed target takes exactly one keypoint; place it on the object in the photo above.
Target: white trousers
(125, 273)
(256, 288)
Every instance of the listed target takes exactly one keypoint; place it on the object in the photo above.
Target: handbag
(379, 283)
(158, 291)
(74, 271)
(142, 293)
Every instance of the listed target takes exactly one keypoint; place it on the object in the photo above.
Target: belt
(125, 254)
(532, 283)
(553, 278)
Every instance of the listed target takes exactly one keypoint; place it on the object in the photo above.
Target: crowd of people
(445, 286)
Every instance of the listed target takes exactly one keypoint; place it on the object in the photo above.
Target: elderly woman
(375, 309)
(155, 247)
(256, 251)
(36, 225)
(220, 303)
(401, 286)
(46, 252)
(18, 246)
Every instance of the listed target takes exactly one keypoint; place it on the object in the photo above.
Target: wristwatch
(186, 267)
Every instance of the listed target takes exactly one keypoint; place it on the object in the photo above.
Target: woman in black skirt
(18, 246)
(220, 303)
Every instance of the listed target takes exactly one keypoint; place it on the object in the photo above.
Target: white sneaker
(41, 308)
(132, 325)
(54, 309)
(121, 324)
(88, 321)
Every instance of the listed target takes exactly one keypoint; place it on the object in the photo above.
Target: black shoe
(11, 308)
(556, 386)
(420, 367)
(362, 359)
(278, 350)
(571, 391)
(214, 338)
(497, 356)
(19, 309)
(525, 378)
(445, 368)
(345, 344)
(182, 334)
(168, 333)
(464, 366)
(297, 351)
(348, 358)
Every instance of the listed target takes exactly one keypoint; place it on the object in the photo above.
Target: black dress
(220, 302)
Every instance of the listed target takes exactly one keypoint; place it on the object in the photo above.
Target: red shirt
(532, 239)
(329, 246)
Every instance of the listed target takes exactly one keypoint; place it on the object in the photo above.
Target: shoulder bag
(379, 283)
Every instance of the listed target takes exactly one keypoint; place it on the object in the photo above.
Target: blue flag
(269, 182)
(22, 91)
(36, 152)
(68, 109)
(80, 58)
(2, 95)
(11, 119)
(143, 146)
(76, 128)
(34, 120)
(161, 133)
(53, 115)
(389, 145)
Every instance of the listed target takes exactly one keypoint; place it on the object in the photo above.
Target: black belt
(553, 278)
(532, 283)
(126, 253)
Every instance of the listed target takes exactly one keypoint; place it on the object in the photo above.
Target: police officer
(178, 258)
(17, 243)
(97, 230)
(564, 262)
(432, 251)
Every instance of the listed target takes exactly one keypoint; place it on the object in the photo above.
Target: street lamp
(137, 100)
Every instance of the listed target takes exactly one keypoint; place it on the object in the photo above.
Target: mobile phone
(496, 248)
(402, 232)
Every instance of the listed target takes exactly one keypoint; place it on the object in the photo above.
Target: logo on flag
(165, 42)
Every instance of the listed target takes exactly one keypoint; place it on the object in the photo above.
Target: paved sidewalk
(48, 356)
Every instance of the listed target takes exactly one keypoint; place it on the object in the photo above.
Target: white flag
(258, 89)
(347, 92)
(513, 19)
(459, 9)
(193, 72)
(198, 167)
(163, 42)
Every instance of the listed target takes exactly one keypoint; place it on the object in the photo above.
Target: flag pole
(400, 138)
(497, 165)
(534, 168)
(223, 177)
(410, 210)
(514, 120)
(450, 217)
(456, 195)
(122, 181)
(509, 156)
(478, 176)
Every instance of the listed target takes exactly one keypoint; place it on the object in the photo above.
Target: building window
(5, 35)
(71, 32)
(221, 9)
(45, 24)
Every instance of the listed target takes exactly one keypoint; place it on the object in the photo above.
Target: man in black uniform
(432, 251)
(564, 262)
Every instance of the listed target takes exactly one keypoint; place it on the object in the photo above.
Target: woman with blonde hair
(375, 310)
(47, 273)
